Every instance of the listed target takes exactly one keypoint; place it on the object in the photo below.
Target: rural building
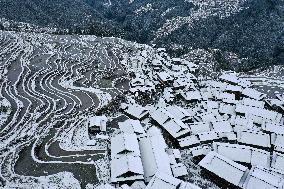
(224, 168)
(97, 123)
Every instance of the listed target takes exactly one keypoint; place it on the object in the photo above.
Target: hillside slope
(252, 29)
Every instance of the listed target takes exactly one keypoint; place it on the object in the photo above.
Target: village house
(162, 180)
(153, 154)
(224, 168)
(253, 93)
(131, 126)
(259, 115)
(206, 94)
(228, 98)
(179, 170)
(222, 126)
(179, 113)
(227, 109)
(236, 90)
(165, 78)
(175, 127)
(188, 141)
(134, 111)
(263, 178)
(255, 138)
(157, 65)
(278, 161)
(126, 164)
(199, 127)
(123, 143)
(211, 106)
(124, 186)
(252, 103)
(191, 96)
(168, 95)
(241, 123)
(126, 168)
(201, 150)
(138, 185)
(275, 104)
(216, 85)
(105, 186)
(230, 78)
(242, 153)
(97, 123)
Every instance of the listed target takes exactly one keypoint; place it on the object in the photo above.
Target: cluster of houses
(143, 156)
(236, 132)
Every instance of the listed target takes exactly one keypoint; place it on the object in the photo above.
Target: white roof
(168, 121)
(253, 103)
(207, 136)
(274, 102)
(278, 161)
(224, 167)
(217, 84)
(160, 115)
(221, 126)
(279, 143)
(207, 117)
(244, 82)
(210, 105)
(280, 97)
(127, 167)
(262, 178)
(254, 94)
(153, 154)
(262, 114)
(199, 127)
(176, 59)
(228, 98)
(241, 123)
(176, 128)
(157, 62)
(242, 153)
(229, 77)
(200, 150)
(227, 109)
(186, 185)
(138, 185)
(234, 88)
(136, 111)
(179, 170)
(105, 186)
(254, 138)
(131, 126)
(164, 181)
(273, 127)
(207, 95)
(192, 95)
(164, 76)
(124, 144)
(188, 141)
(125, 187)
(175, 152)
(98, 121)
(178, 112)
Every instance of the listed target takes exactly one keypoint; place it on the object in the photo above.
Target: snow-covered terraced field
(49, 85)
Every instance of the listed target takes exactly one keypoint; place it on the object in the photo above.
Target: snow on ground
(76, 138)
(56, 181)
